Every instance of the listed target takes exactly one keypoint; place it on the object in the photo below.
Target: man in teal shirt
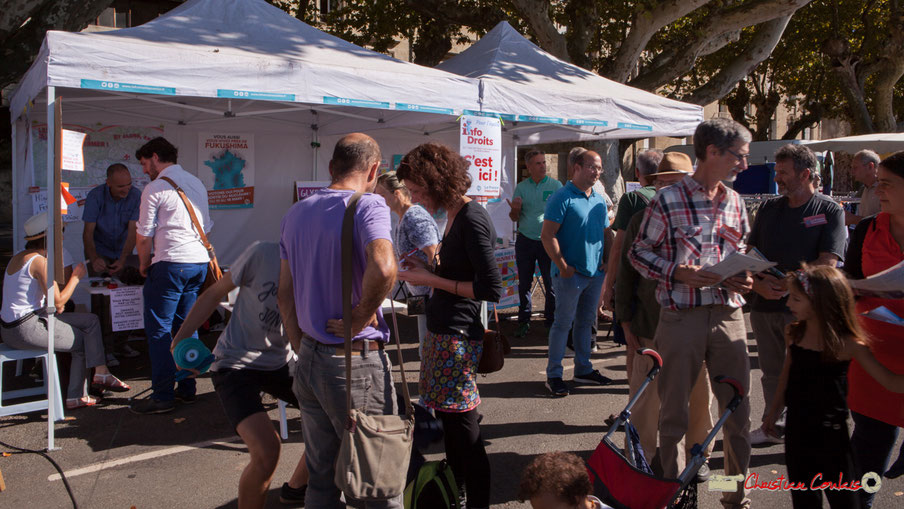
(573, 236)
(528, 205)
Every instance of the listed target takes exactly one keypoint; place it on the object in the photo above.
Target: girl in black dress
(813, 385)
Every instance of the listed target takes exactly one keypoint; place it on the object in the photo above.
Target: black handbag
(495, 347)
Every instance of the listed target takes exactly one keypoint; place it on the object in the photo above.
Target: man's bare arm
(285, 297)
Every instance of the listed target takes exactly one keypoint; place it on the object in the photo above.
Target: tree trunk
(760, 47)
(890, 69)
(536, 13)
(854, 95)
(813, 115)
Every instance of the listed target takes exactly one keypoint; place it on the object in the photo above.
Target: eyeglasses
(740, 157)
(593, 167)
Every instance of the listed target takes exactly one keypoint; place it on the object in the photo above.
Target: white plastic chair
(8, 354)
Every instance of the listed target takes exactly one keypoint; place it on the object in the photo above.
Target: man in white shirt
(865, 169)
(177, 270)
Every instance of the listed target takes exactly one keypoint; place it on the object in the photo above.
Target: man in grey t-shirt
(252, 356)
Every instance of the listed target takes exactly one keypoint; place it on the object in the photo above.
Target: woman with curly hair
(465, 274)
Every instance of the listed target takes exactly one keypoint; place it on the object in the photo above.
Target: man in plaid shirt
(689, 226)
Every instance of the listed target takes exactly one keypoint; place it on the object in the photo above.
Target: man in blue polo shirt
(528, 205)
(572, 235)
(111, 212)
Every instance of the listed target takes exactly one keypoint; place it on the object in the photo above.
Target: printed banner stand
(480, 142)
(303, 189)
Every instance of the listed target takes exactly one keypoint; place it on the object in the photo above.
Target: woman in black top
(464, 275)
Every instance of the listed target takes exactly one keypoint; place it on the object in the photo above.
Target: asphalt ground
(192, 458)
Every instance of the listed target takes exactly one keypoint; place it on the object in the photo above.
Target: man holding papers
(688, 226)
(799, 226)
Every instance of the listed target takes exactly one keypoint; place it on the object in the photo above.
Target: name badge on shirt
(730, 234)
(816, 220)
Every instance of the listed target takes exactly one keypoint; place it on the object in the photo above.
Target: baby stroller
(625, 481)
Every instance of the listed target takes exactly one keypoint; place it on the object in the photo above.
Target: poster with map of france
(226, 167)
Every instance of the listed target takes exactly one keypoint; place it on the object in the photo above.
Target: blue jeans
(527, 253)
(169, 293)
(872, 441)
(321, 390)
(576, 301)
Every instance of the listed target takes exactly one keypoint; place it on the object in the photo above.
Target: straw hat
(674, 163)
(36, 226)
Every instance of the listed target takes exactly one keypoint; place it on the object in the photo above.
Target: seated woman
(24, 318)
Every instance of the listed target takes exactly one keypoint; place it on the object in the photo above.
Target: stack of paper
(888, 284)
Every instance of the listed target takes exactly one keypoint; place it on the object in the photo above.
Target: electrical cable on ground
(19, 450)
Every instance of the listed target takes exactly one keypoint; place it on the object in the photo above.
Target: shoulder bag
(375, 449)
(495, 348)
(214, 273)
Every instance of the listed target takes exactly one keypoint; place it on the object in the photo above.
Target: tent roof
(527, 84)
(243, 49)
(880, 142)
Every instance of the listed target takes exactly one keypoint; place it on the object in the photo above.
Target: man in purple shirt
(310, 302)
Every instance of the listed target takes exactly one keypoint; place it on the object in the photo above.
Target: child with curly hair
(558, 480)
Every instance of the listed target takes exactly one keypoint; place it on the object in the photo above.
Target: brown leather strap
(347, 239)
(348, 231)
(194, 218)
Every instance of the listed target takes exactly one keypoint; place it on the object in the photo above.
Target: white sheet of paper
(887, 284)
(73, 157)
(127, 308)
(736, 263)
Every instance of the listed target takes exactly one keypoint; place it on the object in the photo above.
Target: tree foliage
(650, 44)
(23, 24)
(837, 59)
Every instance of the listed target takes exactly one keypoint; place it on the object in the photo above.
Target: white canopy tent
(223, 66)
(880, 142)
(545, 99)
(245, 66)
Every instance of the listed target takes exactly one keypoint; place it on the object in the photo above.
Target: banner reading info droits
(480, 142)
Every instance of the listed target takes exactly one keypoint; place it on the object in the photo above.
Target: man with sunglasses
(688, 227)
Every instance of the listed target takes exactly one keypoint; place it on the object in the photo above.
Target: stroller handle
(653, 355)
(736, 385)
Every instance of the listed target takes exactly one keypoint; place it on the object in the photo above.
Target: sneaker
(292, 496)
(592, 378)
(152, 406)
(188, 399)
(557, 387)
(569, 352)
(703, 473)
(128, 352)
(112, 361)
(758, 437)
(594, 347)
(523, 329)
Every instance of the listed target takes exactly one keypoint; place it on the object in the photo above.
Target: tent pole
(315, 144)
(15, 186)
(49, 243)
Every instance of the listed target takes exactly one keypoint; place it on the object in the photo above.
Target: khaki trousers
(645, 414)
(685, 339)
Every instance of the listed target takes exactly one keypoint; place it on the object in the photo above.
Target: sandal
(72, 404)
(109, 381)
